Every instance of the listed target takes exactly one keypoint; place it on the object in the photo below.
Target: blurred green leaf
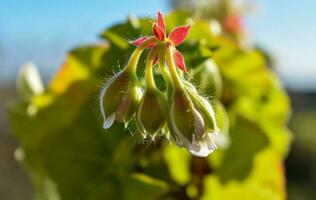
(178, 162)
(265, 182)
(253, 141)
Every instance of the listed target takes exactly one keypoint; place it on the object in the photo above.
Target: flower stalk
(133, 61)
(150, 82)
(173, 72)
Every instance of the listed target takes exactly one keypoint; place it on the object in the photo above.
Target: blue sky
(288, 29)
(43, 31)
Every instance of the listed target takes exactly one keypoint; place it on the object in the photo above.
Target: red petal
(140, 41)
(161, 22)
(179, 60)
(178, 35)
(158, 32)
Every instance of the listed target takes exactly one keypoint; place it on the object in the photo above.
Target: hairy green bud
(119, 98)
(192, 121)
(150, 116)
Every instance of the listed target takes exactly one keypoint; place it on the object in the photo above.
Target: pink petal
(179, 60)
(140, 41)
(158, 32)
(178, 35)
(161, 22)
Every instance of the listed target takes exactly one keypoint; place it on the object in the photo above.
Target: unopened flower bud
(192, 124)
(203, 106)
(208, 78)
(150, 116)
(119, 98)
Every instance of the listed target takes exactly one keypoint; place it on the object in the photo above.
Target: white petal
(202, 148)
(198, 124)
(103, 90)
(109, 121)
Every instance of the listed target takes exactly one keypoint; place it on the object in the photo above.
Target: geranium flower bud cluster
(179, 113)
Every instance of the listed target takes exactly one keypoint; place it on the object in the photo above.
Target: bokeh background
(43, 31)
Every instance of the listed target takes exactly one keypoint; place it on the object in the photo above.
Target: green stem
(133, 61)
(164, 70)
(150, 82)
(162, 66)
(172, 68)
